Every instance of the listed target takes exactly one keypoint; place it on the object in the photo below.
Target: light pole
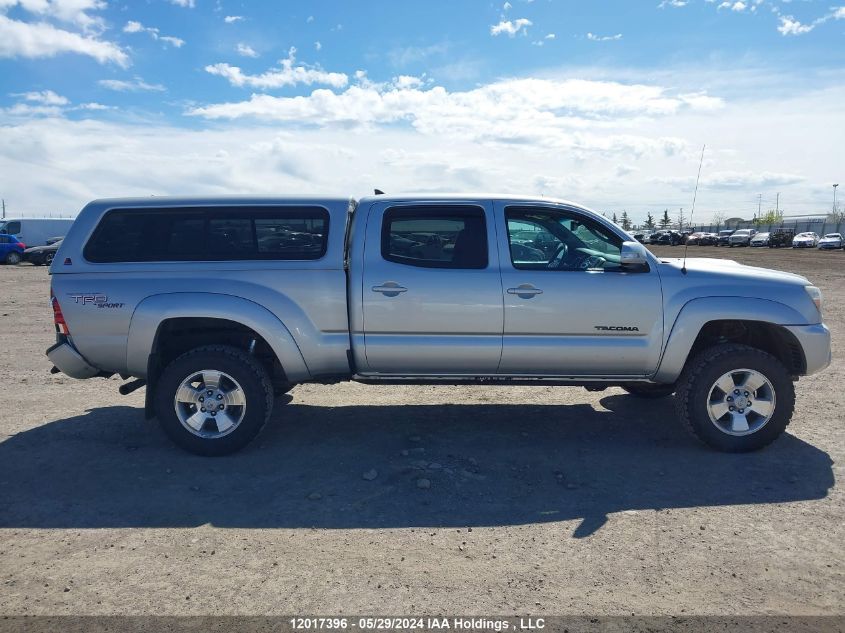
(834, 197)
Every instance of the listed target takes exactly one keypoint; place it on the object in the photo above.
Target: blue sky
(604, 102)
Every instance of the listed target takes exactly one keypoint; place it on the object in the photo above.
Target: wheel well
(768, 337)
(179, 335)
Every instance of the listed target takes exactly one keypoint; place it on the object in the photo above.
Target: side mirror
(633, 255)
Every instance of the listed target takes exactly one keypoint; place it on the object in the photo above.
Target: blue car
(11, 249)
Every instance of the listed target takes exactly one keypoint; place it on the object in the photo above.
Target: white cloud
(791, 26)
(74, 12)
(246, 50)
(173, 41)
(188, 4)
(603, 38)
(133, 26)
(44, 97)
(288, 75)
(309, 19)
(231, 19)
(134, 85)
(507, 6)
(317, 45)
(571, 113)
(511, 27)
(560, 138)
(40, 39)
(672, 3)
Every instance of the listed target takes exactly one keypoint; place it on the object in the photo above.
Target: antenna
(692, 210)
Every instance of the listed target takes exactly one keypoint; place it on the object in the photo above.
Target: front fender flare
(698, 312)
(154, 310)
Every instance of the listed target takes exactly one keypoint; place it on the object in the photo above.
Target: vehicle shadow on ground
(487, 465)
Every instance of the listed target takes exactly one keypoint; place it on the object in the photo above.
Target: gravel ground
(389, 500)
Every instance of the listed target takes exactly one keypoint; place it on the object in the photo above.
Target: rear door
(570, 308)
(432, 292)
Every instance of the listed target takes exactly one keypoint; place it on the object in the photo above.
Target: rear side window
(210, 234)
(435, 237)
(13, 228)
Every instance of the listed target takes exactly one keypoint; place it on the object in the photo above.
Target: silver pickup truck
(218, 304)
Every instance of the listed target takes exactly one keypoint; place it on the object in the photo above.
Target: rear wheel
(48, 258)
(13, 258)
(735, 398)
(213, 400)
(648, 390)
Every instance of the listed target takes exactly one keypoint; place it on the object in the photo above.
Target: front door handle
(390, 289)
(525, 291)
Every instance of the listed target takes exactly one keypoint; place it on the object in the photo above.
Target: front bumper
(815, 341)
(70, 362)
(830, 245)
(803, 245)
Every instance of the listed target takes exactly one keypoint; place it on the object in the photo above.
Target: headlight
(815, 295)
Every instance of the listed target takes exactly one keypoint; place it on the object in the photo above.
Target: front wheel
(735, 398)
(648, 390)
(213, 400)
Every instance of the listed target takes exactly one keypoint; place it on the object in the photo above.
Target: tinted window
(435, 237)
(13, 228)
(550, 239)
(213, 234)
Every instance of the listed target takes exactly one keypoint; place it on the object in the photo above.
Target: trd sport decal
(101, 301)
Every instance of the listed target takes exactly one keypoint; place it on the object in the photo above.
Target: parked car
(742, 237)
(708, 239)
(832, 240)
(35, 231)
(728, 340)
(693, 238)
(808, 239)
(724, 237)
(781, 237)
(41, 255)
(11, 249)
(761, 239)
(669, 238)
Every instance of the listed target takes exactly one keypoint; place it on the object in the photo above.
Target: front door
(570, 308)
(432, 293)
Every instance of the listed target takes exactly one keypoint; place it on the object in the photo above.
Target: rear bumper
(70, 362)
(815, 341)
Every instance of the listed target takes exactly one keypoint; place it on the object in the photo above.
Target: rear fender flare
(154, 310)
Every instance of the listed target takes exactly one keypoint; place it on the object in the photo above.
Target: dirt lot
(541, 500)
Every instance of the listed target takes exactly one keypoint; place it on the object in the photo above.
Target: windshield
(742, 232)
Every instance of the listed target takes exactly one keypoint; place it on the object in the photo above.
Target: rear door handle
(390, 289)
(526, 291)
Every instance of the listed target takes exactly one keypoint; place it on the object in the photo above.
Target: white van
(35, 231)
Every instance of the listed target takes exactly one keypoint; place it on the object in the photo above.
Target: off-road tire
(245, 369)
(698, 378)
(648, 390)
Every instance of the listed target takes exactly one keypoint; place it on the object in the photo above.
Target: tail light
(58, 317)
(21, 245)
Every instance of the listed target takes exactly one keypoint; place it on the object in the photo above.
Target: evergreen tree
(615, 221)
(626, 222)
(665, 220)
(649, 222)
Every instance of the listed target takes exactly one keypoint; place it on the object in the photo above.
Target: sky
(607, 103)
